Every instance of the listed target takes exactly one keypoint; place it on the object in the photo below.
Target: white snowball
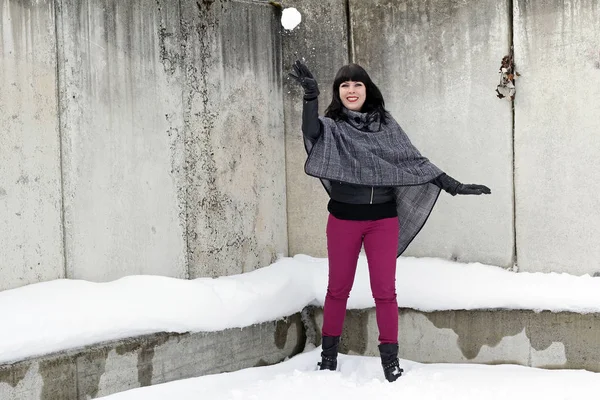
(290, 18)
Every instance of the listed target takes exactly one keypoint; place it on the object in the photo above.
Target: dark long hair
(373, 103)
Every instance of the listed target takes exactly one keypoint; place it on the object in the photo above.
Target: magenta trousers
(344, 241)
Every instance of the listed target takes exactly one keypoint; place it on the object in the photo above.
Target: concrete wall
(542, 340)
(31, 245)
(235, 153)
(437, 64)
(170, 120)
(112, 367)
(321, 39)
(122, 133)
(557, 48)
(160, 127)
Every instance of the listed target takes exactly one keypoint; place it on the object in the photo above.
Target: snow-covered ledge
(128, 332)
(562, 340)
(118, 365)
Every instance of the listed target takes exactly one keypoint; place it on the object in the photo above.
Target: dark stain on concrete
(309, 326)
(59, 376)
(281, 332)
(91, 365)
(145, 353)
(578, 333)
(477, 328)
(134, 344)
(261, 363)
(13, 374)
(2, 192)
(355, 334)
(145, 365)
(300, 334)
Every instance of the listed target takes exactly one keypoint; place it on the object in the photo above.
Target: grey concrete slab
(112, 367)
(30, 180)
(321, 39)
(437, 65)
(122, 138)
(545, 339)
(234, 137)
(557, 52)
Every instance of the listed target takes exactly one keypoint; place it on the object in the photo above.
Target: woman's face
(353, 95)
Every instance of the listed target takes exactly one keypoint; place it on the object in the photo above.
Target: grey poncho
(364, 151)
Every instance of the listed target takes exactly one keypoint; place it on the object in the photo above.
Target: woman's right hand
(305, 78)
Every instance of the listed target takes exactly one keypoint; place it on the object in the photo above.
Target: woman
(381, 190)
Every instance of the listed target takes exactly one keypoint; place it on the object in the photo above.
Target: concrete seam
(287, 179)
(60, 136)
(349, 38)
(514, 175)
(280, 49)
(185, 147)
(261, 2)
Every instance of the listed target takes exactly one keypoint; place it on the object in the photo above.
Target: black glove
(473, 189)
(454, 187)
(305, 78)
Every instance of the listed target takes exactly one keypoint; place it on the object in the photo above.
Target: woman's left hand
(305, 78)
(472, 189)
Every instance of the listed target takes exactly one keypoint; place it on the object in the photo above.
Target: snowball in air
(290, 18)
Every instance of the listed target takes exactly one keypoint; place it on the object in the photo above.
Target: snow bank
(62, 314)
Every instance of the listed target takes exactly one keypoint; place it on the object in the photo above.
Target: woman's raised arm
(311, 125)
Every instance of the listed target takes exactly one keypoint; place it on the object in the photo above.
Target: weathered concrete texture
(30, 185)
(436, 63)
(321, 39)
(545, 339)
(148, 360)
(557, 52)
(234, 137)
(122, 134)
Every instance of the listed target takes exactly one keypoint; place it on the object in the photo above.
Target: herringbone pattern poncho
(364, 151)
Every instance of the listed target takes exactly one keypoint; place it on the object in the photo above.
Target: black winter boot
(329, 353)
(389, 361)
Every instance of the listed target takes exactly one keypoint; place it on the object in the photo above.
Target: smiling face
(353, 95)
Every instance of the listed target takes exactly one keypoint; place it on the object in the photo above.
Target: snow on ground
(62, 314)
(360, 378)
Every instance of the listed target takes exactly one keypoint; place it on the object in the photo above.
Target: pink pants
(344, 241)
